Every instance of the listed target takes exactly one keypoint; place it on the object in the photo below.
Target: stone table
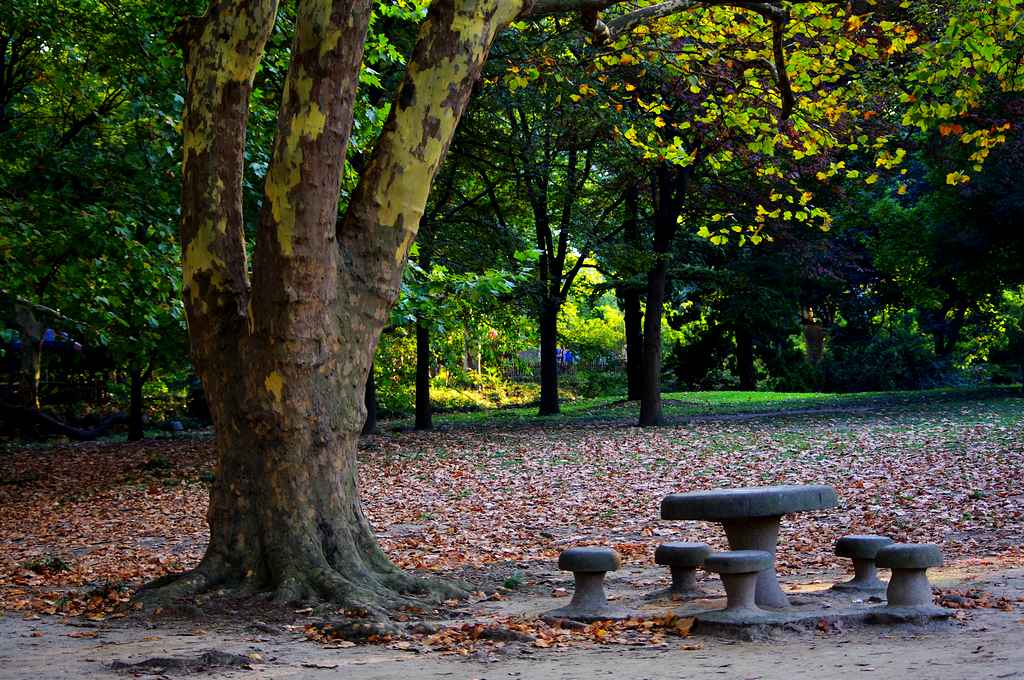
(751, 519)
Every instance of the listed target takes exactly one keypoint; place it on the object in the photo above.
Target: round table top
(763, 501)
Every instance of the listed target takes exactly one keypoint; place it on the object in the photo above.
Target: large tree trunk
(549, 358)
(285, 365)
(745, 359)
(30, 331)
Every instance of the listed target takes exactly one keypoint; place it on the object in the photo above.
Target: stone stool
(589, 603)
(682, 559)
(909, 562)
(738, 570)
(862, 549)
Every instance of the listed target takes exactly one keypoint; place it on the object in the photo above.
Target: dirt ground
(976, 643)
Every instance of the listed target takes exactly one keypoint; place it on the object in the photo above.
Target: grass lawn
(689, 404)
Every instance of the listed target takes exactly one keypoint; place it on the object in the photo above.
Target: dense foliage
(821, 201)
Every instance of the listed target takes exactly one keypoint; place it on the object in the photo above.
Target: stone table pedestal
(751, 520)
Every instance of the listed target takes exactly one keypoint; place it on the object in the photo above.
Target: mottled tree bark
(285, 362)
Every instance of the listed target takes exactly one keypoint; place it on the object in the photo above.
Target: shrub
(895, 360)
(701, 364)
(590, 384)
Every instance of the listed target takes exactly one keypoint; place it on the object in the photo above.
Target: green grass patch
(696, 404)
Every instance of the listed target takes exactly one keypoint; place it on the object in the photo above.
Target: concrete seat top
(681, 554)
(909, 556)
(738, 562)
(861, 546)
(592, 560)
(764, 501)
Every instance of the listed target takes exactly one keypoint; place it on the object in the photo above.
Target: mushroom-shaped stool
(588, 565)
(862, 549)
(682, 559)
(909, 562)
(739, 570)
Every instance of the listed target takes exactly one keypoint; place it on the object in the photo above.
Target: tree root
(207, 660)
(433, 589)
(172, 588)
(368, 599)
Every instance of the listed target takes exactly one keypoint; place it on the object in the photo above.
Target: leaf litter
(82, 525)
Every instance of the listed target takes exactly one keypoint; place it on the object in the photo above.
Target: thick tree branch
(385, 210)
(781, 75)
(570, 276)
(222, 51)
(304, 177)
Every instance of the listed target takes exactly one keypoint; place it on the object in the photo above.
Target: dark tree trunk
(650, 393)
(555, 281)
(424, 411)
(633, 320)
(630, 297)
(814, 338)
(950, 333)
(549, 358)
(669, 187)
(30, 330)
(137, 381)
(370, 401)
(745, 359)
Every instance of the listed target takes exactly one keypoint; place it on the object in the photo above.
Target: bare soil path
(981, 644)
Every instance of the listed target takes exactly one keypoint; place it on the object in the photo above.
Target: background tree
(88, 145)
